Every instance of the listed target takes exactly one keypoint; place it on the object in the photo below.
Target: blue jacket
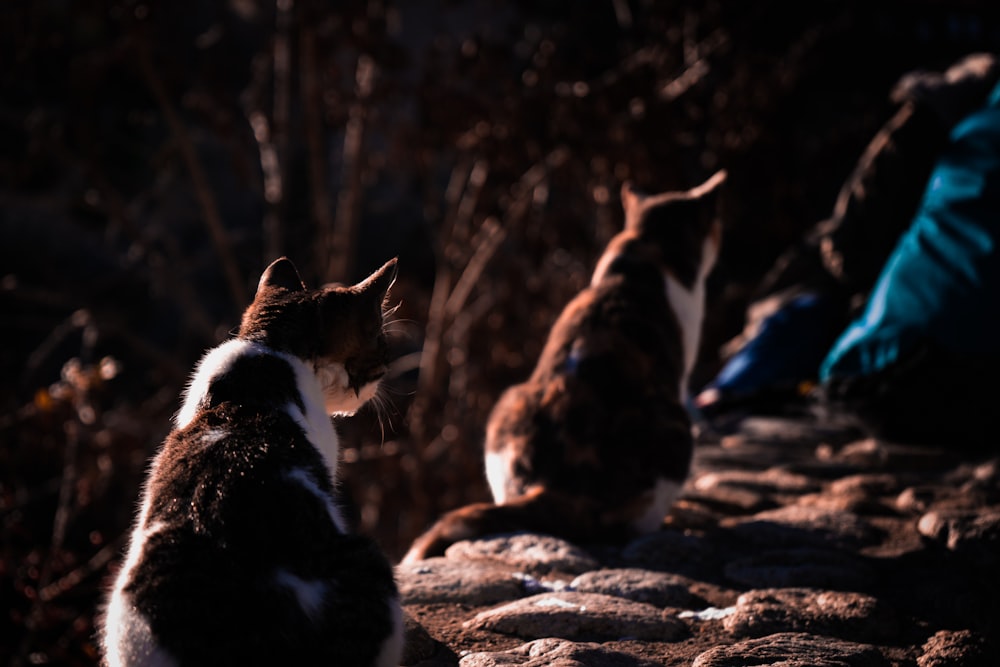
(941, 284)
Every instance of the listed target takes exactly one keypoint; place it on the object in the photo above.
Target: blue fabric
(787, 349)
(942, 282)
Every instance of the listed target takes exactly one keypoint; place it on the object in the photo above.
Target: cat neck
(311, 414)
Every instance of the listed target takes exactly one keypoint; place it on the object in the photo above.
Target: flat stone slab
(528, 551)
(961, 648)
(655, 588)
(552, 652)
(797, 525)
(852, 616)
(444, 580)
(792, 649)
(974, 532)
(770, 481)
(580, 616)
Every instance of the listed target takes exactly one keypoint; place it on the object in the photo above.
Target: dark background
(155, 157)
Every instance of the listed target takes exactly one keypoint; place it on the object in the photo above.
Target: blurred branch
(312, 109)
(60, 521)
(488, 240)
(96, 563)
(461, 197)
(341, 244)
(277, 149)
(199, 179)
(696, 64)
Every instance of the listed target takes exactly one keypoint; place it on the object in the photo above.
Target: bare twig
(312, 109)
(59, 523)
(342, 243)
(280, 135)
(203, 191)
(491, 236)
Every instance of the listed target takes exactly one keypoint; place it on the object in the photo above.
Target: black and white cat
(239, 555)
(597, 443)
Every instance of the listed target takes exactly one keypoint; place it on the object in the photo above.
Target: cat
(239, 554)
(597, 443)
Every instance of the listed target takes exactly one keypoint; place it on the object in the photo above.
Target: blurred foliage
(155, 157)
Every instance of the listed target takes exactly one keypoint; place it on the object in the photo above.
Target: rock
(957, 649)
(536, 553)
(792, 650)
(851, 536)
(444, 580)
(770, 481)
(876, 454)
(882, 484)
(845, 615)
(580, 616)
(976, 534)
(796, 525)
(655, 588)
(916, 499)
(555, 653)
(801, 567)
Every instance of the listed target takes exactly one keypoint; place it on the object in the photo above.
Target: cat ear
(281, 274)
(630, 198)
(380, 281)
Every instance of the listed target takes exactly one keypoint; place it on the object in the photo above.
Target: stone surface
(957, 649)
(793, 650)
(555, 653)
(443, 580)
(535, 553)
(656, 588)
(975, 533)
(584, 616)
(788, 547)
(852, 616)
(795, 525)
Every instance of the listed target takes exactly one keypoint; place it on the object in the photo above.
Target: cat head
(337, 329)
(679, 231)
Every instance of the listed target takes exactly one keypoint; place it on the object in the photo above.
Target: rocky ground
(792, 545)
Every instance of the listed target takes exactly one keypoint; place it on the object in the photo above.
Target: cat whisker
(382, 406)
(388, 312)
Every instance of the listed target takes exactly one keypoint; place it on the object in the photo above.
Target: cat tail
(574, 518)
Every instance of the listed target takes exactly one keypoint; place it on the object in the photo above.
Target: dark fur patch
(233, 517)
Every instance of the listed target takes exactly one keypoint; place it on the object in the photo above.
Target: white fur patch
(339, 397)
(315, 420)
(689, 308)
(310, 593)
(126, 636)
(664, 494)
(129, 640)
(303, 477)
(497, 475)
(214, 363)
(391, 652)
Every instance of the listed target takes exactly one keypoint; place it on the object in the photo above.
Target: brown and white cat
(239, 555)
(596, 444)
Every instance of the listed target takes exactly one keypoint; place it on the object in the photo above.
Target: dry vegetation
(156, 156)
